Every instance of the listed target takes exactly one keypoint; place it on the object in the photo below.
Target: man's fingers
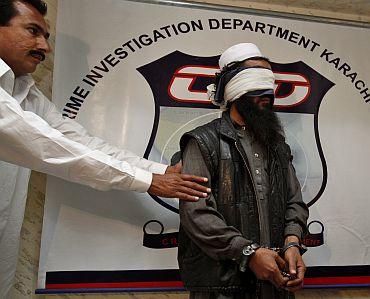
(291, 256)
(196, 188)
(194, 178)
(279, 280)
(280, 262)
(292, 266)
(180, 186)
(294, 285)
(186, 197)
(191, 192)
(294, 282)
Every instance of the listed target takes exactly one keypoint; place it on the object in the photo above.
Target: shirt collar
(4, 68)
(8, 81)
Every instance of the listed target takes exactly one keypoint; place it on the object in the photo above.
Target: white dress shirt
(34, 135)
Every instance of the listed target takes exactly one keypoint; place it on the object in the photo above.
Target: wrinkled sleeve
(29, 141)
(76, 132)
(296, 214)
(201, 220)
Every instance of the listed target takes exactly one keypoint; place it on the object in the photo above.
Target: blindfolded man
(243, 241)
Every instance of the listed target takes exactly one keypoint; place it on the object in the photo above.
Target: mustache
(263, 122)
(40, 53)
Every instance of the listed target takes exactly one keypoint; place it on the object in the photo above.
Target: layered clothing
(255, 198)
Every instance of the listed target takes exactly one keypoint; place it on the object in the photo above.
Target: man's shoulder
(206, 134)
(208, 127)
(202, 131)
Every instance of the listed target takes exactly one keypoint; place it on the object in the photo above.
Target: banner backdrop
(135, 74)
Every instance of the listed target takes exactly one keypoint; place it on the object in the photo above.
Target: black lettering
(345, 67)
(196, 25)
(226, 24)
(69, 111)
(112, 61)
(104, 69)
(145, 40)
(157, 35)
(137, 43)
(260, 26)
(293, 37)
(314, 46)
(367, 94)
(237, 23)
(122, 54)
(94, 76)
(68, 115)
(183, 27)
(335, 61)
(326, 54)
(88, 82)
(271, 27)
(128, 44)
(80, 92)
(174, 29)
(74, 103)
(248, 25)
(165, 28)
(282, 34)
(304, 41)
(213, 24)
(359, 81)
(353, 76)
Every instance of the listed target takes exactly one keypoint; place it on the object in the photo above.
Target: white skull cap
(239, 52)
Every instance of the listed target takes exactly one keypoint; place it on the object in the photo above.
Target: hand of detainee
(296, 268)
(266, 265)
(173, 184)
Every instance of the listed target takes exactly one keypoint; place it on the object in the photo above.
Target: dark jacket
(235, 199)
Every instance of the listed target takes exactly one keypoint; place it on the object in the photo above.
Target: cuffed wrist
(237, 245)
(294, 230)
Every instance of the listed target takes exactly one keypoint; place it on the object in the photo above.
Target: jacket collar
(227, 128)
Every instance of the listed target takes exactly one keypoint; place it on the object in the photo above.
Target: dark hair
(8, 10)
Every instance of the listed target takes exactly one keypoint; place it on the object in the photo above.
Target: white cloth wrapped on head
(248, 79)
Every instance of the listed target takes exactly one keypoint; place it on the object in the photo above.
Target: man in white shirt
(34, 135)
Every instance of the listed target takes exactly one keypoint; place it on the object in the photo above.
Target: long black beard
(263, 122)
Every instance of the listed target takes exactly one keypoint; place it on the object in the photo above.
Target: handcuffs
(249, 250)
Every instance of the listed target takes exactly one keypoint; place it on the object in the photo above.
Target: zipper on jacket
(254, 187)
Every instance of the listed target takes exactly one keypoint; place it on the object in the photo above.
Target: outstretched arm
(160, 179)
(34, 140)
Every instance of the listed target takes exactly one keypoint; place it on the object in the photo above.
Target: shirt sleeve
(29, 141)
(201, 220)
(296, 214)
(77, 133)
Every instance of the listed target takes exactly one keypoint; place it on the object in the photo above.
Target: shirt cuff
(158, 168)
(237, 245)
(142, 181)
(295, 230)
